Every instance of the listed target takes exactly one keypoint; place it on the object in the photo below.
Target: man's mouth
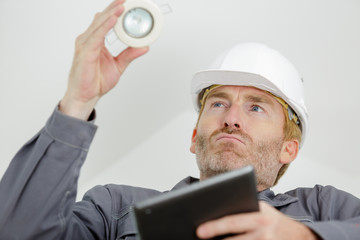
(229, 137)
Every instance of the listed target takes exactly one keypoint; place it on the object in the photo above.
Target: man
(241, 122)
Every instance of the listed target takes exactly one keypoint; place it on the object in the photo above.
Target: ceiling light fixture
(140, 24)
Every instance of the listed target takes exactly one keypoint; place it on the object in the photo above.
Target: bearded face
(240, 126)
(215, 156)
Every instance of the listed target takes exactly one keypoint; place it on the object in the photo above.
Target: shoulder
(329, 199)
(111, 201)
(130, 194)
(122, 194)
(317, 203)
(319, 191)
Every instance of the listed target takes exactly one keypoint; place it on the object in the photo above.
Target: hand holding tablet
(175, 215)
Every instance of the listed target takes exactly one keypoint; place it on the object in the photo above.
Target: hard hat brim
(204, 79)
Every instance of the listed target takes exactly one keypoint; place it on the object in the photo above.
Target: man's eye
(217, 104)
(256, 108)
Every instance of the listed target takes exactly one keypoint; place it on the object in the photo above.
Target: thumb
(128, 55)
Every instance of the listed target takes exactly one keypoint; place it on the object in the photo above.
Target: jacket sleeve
(38, 190)
(338, 214)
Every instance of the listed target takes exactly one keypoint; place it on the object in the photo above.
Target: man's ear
(289, 151)
(193, 141)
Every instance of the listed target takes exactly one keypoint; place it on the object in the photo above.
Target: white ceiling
(320, 37)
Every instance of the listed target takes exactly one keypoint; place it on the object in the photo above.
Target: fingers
(236, 224)
(95, 41)
(268, 223)
(115, 8)
(101, 25)
(128, 55)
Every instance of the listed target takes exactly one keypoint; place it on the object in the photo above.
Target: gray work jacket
(38, 190)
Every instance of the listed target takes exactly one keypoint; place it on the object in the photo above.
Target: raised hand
(95, 71)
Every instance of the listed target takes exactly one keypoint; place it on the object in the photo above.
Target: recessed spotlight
(140, 24)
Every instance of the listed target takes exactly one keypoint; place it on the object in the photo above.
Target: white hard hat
(255, 65)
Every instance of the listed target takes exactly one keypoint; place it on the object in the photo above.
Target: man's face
(240, 126)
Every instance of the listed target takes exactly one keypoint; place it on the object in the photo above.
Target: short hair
(291, 129)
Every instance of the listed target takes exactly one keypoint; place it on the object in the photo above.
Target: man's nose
(232, 118)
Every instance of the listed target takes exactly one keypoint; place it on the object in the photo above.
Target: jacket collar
(278, 200)
(185, 182)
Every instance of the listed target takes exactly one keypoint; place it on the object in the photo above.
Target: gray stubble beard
(264, 158)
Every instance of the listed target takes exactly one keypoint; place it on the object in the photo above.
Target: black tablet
(175, 215)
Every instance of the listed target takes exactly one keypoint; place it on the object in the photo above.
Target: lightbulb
(138, 22)
(141, 23)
